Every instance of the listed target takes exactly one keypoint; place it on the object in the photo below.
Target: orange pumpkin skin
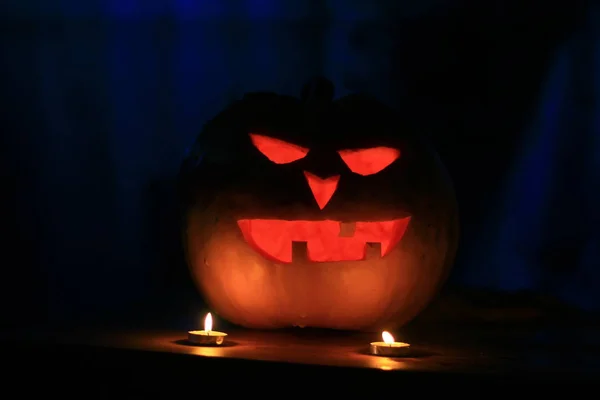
(226, 179)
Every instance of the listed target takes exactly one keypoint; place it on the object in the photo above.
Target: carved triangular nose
(322, 189)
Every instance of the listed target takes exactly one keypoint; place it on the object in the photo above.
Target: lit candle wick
(208, 322)
(387, 338)
(389, 347)
(206, 336)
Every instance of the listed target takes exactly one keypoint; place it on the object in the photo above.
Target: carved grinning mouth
(326, 241)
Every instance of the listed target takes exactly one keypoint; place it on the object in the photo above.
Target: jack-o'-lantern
(318, 213)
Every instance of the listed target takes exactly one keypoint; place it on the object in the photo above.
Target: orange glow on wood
(278, 151)
(273, 238)
(322, 189)
(369, 161)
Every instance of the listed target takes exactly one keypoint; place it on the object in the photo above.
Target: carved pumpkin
(313, 212)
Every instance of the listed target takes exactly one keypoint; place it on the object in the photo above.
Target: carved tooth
(299, 251)
(373, 251)
(347, 229)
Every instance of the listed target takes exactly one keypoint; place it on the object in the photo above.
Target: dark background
(100, 100)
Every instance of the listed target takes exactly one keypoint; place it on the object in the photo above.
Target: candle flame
(387, 337)
(208, 323)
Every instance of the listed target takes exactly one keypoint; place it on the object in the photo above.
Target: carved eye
(276, 150)
(369, 161)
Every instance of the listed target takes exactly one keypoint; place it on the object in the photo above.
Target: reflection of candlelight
(389, 347)
(207, 337)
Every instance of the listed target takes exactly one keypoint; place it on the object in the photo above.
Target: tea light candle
(389, 347)
(207, 337)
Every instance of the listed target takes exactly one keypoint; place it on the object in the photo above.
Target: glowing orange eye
(276, 150)
(369, 161)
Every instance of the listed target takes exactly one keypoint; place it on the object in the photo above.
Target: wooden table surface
(309, 347)
(441, 356)
(435, 348)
